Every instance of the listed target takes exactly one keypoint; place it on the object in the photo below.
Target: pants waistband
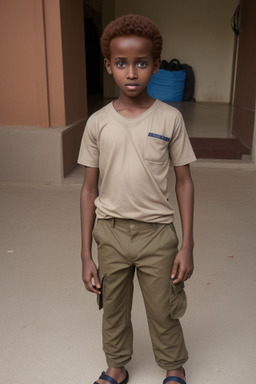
(132, 224)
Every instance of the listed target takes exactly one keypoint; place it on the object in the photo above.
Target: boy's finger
(179, 277)
(174, 271)
(92, 288)
(96, 281)
(88, 286)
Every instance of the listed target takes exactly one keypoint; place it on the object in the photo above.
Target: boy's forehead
(131, 43)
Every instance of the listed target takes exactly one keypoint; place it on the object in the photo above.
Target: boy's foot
(113, 376)
(175, 376)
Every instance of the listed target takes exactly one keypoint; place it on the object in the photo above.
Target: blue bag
(167, 85)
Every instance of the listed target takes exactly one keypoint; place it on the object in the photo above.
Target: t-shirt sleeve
(89, 151)
(181, 151)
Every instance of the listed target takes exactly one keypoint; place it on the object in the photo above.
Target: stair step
(212, 148)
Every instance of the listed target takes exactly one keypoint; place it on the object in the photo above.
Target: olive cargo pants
(126, 245)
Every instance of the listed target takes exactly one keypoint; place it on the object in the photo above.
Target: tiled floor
(207, 120)
(50, 326)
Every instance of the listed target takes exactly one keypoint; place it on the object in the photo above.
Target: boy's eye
(120, 64)
(141, 64)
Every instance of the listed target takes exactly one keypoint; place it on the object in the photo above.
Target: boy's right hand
(89, 272)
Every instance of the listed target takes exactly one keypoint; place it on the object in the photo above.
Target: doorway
(92, 33)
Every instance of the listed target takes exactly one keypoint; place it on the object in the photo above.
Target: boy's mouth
(131, 86)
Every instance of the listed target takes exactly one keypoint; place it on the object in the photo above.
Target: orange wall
(23, 85)
(42, 84)
(42, 69)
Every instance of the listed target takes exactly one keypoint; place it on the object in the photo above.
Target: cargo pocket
(100, 297)
(178, 300)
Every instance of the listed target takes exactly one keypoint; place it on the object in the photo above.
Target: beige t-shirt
(134, 157)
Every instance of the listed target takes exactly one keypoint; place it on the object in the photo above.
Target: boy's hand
(183, 266)
(89, 272)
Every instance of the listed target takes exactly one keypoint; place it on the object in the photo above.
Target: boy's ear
(157, 64)
(107, 65)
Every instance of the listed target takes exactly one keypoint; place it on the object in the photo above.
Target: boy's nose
(131, 73)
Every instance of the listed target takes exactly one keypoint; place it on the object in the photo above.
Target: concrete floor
(51, 327)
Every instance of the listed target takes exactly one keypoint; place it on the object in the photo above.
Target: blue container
(167, 85)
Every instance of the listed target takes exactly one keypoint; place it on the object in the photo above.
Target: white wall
(197, 32)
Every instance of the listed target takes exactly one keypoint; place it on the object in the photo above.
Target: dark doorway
(92, 32)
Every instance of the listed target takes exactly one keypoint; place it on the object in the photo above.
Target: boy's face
(132, 64)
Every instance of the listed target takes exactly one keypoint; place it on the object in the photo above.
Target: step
(212, 148)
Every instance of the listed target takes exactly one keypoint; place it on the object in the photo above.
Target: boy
(129, 144)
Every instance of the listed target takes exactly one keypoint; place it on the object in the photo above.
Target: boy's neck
(132, 107)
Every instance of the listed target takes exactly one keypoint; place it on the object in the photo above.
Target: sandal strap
(174, 378)
(107, 378)
(110, 379)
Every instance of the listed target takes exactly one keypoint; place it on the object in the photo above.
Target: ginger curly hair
(132, 25)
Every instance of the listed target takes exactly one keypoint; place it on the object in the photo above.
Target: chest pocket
(156, 148)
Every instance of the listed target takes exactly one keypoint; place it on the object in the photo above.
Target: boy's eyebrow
(137, 58)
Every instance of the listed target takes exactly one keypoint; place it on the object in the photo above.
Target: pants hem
(171, 367)
(114, 364)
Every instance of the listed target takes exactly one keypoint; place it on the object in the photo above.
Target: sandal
(110, 380)
(176, 379)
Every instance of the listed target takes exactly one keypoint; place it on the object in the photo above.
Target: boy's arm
(183, 265)
(89, 193)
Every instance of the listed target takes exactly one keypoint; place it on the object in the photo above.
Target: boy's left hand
(183, 266)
